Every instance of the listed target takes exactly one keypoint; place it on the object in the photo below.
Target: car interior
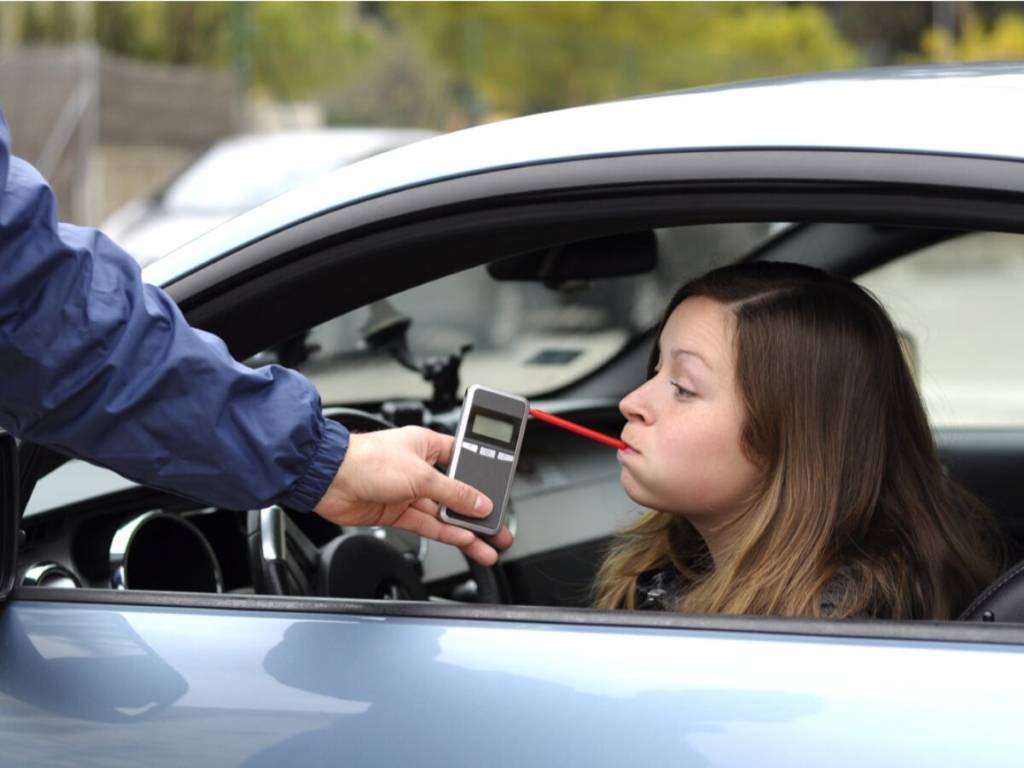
(566, 318)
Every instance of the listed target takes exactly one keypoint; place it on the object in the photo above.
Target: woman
(784, 454)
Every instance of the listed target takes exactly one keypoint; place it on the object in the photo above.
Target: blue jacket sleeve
(98, 365)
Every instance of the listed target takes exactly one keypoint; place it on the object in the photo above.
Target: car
(236, 174)
(534, 255)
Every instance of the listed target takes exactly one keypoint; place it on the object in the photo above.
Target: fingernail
(478, 504)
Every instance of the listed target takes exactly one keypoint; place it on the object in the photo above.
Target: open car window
(544, 342)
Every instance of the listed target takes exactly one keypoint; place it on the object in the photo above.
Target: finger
(481, 551)
(502, 540)
(430, 527)
(427, 507)
(454, 494)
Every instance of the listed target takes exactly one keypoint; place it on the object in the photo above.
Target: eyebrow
(680, 352)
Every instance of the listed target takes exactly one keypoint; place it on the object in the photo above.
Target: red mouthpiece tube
(550, 418)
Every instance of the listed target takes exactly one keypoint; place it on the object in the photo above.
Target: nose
(635, 406)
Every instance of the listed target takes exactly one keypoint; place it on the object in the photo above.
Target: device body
(486, 453)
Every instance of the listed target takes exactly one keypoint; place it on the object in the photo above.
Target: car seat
(1002, 601)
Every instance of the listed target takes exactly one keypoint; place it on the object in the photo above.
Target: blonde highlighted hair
(852, 486)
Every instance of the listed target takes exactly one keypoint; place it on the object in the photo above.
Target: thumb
(439, 448)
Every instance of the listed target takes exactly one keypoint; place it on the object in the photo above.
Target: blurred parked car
(237, 174)
(145, 628)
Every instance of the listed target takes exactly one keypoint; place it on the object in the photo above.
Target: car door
(109, 677)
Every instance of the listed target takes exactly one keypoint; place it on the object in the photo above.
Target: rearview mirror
(10, 513)
(633, 253)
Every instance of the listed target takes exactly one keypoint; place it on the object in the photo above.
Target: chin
(637, 492)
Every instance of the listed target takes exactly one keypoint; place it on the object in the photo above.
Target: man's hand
(388, 478)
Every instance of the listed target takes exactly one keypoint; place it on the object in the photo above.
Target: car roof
(965, 109)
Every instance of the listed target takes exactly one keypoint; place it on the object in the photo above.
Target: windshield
(524, 337)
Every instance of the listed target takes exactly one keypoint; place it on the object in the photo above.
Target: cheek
(702, 465)
(702, 438)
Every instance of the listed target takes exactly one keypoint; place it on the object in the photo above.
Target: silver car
(534, 255)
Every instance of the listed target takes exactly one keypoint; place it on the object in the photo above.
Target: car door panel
(128, 684)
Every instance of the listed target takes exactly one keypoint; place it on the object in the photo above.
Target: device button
(488, 452)
(504, 456)
(469, 446)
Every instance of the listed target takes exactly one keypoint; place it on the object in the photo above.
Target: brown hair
(852, 488)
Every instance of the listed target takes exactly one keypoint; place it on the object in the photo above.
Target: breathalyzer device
(486, 452)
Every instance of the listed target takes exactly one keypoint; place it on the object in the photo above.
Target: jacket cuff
(320, 471)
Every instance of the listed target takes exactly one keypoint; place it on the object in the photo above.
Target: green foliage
(286, 50)
(525, 57)
(441, 64)
(398, 86)
(1003, 39)
(49, 22)
(298, 49)
(177, 33)
(433, 58)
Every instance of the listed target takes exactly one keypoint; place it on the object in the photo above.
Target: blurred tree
(292, 50)
(1003, 38)
(50, 22)
(400, 85)
(299, 49)
(443, 64)
(884, 32)
(177, 33)
(525, 57)
(898, 32)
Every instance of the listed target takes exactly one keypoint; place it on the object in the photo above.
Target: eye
(681, 392)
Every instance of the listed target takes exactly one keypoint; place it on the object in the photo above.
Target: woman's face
(684, 424)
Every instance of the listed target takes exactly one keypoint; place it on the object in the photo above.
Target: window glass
(525, 337)
(960, 304)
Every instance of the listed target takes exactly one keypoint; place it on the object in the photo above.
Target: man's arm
(98, 365)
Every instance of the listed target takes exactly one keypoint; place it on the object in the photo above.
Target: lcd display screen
(495, 429)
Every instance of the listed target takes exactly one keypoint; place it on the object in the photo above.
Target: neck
(719, 534)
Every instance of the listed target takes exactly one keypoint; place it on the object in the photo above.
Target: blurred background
(134, 111)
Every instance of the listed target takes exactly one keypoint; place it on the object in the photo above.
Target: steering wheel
(284, 561)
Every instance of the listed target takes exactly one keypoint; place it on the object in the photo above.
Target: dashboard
(86, 526)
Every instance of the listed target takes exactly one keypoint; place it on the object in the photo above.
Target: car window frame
(739, 185)
(577, 199)
(879, 629)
